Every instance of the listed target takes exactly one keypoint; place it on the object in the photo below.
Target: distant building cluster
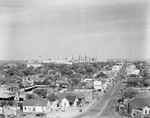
(72, 59)
(68, 60)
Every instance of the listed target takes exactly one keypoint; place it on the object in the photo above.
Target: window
(149, 111)
(145, 111)
(33, 108)
(24, 108)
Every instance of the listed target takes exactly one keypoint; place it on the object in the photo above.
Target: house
(101, 85)
(5, 93)
(28, 80)
(134, 72)
(116, 68)
(35, 106)
(9, 110)
(67, 99)
(134, 79)
(98, 85)
(140, 105)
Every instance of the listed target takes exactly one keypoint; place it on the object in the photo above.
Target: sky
(116, 29)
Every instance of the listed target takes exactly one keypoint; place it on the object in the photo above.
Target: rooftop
(139, 103)
(35, 102)
(143, 95)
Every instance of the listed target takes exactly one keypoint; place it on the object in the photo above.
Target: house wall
(104, 86)
(97, 85)
(65, 103)
(75, 102)
(54, 105)
(35, 109)
(146, 110)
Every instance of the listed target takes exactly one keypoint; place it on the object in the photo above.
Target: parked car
(40, 114)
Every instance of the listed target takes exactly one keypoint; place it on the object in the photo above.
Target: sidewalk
(86, 108)
(89, 105)
(71, 111)
(68, 113)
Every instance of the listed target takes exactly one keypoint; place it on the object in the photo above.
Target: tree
(40, 92)
(81, 70)
(128, 94)
(49, 79)
(29, 96)
(89, 69)
(66, 71)
(75, 79)
(102, 75)
(52, 97)
(2, 104)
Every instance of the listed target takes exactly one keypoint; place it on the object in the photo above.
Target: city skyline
(109, 29)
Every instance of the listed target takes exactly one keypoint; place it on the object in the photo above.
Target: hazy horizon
(114, 29)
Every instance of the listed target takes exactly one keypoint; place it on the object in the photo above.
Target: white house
(98, 85)
(134, 72)
(69, 101)
(65, 102)
(116, 68)
(35, 106)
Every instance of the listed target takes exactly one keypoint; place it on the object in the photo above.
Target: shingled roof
(141, 100)
(71, 98)
(34, 102)
(143, 95)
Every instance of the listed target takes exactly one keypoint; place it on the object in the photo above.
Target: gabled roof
(139, 103)
(34, 102)
(61, 96)
(143, 95)
(71, 98)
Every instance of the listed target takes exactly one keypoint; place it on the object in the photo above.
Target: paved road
(101, 109)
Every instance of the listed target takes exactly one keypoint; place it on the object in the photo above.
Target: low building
(34, 64)
(133, 72)
(98, 85)
(35, 106)
(69, 101)
(9, 110)
(140, 105)
(116, 68)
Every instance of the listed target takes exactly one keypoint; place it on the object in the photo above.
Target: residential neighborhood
(74, 59)
(71, 90)
(53, 89)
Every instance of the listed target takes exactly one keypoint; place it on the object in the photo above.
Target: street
(101, 109)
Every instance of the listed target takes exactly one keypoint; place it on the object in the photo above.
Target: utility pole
(128, 110)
